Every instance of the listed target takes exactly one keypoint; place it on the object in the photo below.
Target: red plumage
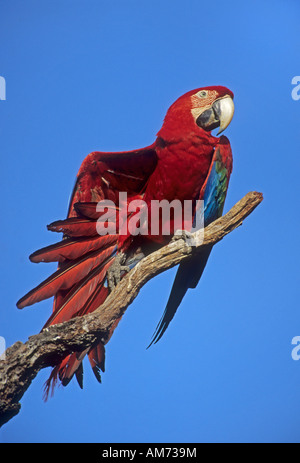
(175, 166)
(71, 249)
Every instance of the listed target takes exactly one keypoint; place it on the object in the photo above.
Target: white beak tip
(227, 111)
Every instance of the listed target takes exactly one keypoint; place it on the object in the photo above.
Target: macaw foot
(182, 235)
(116, 270)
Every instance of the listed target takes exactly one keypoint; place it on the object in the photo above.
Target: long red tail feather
(79, 294)
(65, 277)
(71, 249)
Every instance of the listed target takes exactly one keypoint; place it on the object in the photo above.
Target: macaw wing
(213, 193)
(104, 175)
(101, 176)
(84, 257)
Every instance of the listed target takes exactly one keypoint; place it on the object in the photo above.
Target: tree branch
(22, 361)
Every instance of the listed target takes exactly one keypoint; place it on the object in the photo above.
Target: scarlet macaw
(186, 162)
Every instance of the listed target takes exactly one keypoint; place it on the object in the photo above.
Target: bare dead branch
(24, 360)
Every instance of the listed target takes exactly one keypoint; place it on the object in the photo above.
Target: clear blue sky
(100, 75)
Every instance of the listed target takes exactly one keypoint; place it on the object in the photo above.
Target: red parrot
(186, 162)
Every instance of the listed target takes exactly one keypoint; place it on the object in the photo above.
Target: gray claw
(182, 235)
(115, 271)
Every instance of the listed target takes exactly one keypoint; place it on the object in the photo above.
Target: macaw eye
(202, 94)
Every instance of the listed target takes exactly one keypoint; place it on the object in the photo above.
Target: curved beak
(225, 112)
(219, 114)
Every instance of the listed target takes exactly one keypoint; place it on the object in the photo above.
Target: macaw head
(203, 109)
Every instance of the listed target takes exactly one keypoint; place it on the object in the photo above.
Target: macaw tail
(72, 364)
(187, 276)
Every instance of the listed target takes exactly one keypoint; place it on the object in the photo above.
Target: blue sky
(97, 75)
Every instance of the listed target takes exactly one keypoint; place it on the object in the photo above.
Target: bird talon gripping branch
(182, 235)
(116, 271)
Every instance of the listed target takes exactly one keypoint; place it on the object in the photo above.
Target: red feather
(89, 210)
(75, 227)
(64, 278)
(80, 293)
(97, 359)
(71, 249)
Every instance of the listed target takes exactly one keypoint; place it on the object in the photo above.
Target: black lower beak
(210, 118)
